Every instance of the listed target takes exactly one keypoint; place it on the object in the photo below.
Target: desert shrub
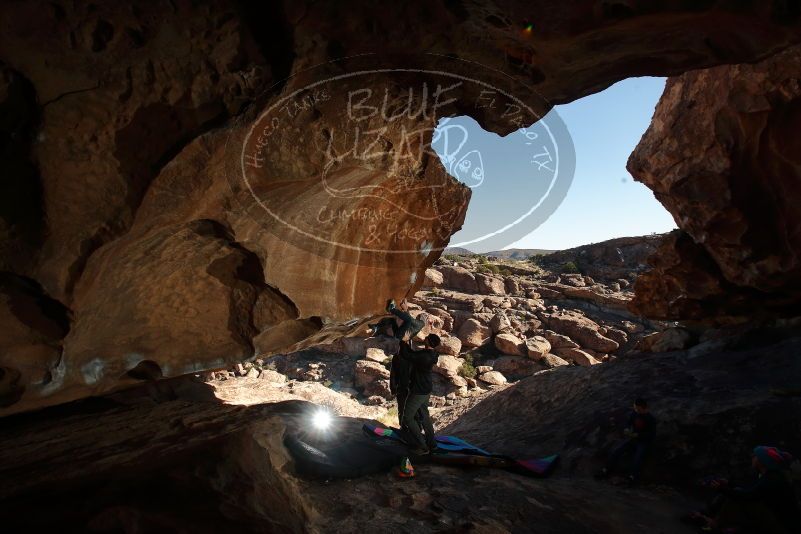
(494, 268)
(505, 271)
(467, 370)
(570, 267)
(434, 292)
(482, 259)
(536, 259)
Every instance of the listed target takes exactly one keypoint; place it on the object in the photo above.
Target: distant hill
(458, 251)
(509, 254)
(517, 253)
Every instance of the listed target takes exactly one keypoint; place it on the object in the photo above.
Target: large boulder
(493, 378)
(458, 278)
(448, 365)
(368, 371)
(447, 318)
(450, 345)
(515, 366)
(558, 341)
(537, 347)
(510, 344)
(512, 285)
(500, 323)
(581, 329)
(552, 360)
(473, 334)
(577, 356)
(432, 279)
(490, 285)
(666, 341)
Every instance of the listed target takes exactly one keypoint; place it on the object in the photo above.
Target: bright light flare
(321, 419)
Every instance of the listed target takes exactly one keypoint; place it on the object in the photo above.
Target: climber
(390, 326)
(768, 505)
(640, 431)
(415, 412)
(401, 369)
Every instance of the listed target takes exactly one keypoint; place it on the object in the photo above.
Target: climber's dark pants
(417, 405)
(409, 324)
(638, 448)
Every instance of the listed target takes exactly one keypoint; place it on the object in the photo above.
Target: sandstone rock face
(735, 200)
(139, 206)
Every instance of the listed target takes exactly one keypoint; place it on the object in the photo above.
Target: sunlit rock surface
(124, 137)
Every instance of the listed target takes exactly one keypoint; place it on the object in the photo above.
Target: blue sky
(602, 202)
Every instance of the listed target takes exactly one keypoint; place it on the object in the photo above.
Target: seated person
(640, 432)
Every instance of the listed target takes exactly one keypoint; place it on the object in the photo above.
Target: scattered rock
(515, 366)
(433, 278)
(448, 366)
(581, 329)
(458, 278)
(447, 318)
(490, 285)
(552, 360)
(368, 371)
(252, 373)
(375, 400)
(499, 323)
(473, 334)
(666, 341)
(510, 344)
(450, 345)
(512, 286)
(272, 376)
(375, 354)
(537, 347)
(493, 377)
(577, 356)
(378, 388)
(558, 341)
